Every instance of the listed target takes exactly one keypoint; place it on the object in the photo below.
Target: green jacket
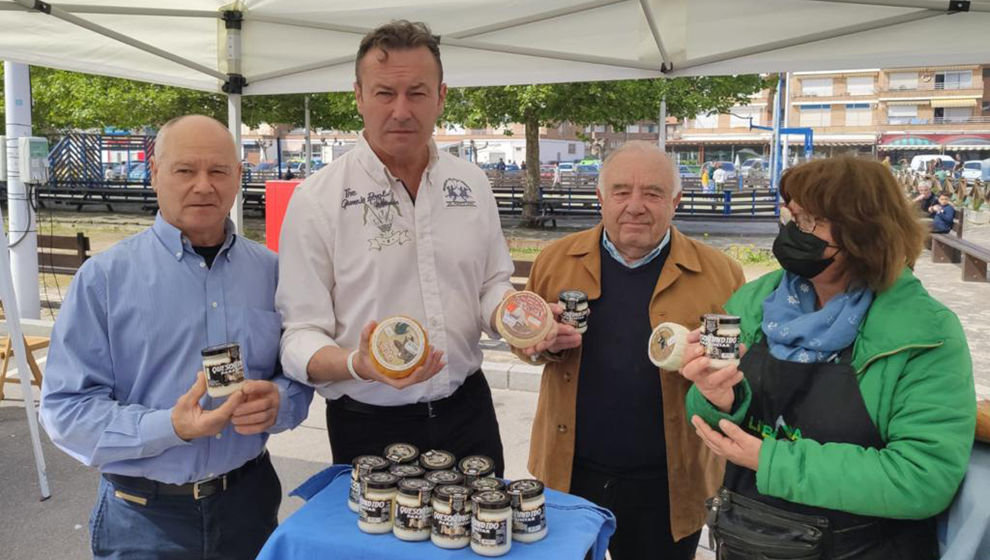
(916, 378)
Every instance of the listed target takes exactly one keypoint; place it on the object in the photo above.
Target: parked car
(547, 172)
(565, 167)
(138, 173)
(685, 171)
(759, 165)
(582, 169)
(977, 169)
(919, 164)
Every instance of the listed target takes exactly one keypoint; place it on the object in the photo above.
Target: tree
(63, 101)
(617, 103)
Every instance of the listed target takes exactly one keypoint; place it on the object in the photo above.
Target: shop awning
(908, 102)
(953, 102)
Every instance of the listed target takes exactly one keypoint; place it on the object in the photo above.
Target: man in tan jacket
(609, 425)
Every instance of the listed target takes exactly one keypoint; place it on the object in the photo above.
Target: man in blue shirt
(184, 475)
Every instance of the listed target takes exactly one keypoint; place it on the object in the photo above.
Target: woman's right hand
(715, 385)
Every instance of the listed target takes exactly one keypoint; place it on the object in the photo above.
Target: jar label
(222, 375)
(489, 533)
(720, 347)
(574, 318)
(375, 511)
(354, 495)
(451, 525)
(529, 521)
(413, 518)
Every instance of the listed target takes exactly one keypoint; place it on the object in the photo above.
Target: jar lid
(370, 463)
(486, 483)
(523, 319)
(443, 478)
(491, 499)
(526, 488)
(400, 453)
(398, 346)
(407, 471)
(728, 320)
(228, 347)
(576, 296)
(380, 480)
(416, 487)
(453, 494)
(437, 460)
(476, 465)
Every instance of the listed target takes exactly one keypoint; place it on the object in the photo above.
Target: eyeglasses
(805, 222)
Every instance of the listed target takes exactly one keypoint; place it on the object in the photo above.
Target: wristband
(352, 371)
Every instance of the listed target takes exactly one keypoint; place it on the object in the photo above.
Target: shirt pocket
(258, 331)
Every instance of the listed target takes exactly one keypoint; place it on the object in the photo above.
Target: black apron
(823, 402)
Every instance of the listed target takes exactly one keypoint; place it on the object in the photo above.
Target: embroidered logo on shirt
(457, 194)
(382, 208)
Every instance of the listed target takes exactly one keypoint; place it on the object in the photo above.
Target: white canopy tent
(255, 47)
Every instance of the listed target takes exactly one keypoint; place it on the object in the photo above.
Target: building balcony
(912, 121)
(923, 89)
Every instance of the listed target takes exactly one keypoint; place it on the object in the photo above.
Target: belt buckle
(430, 411)
(196, 486)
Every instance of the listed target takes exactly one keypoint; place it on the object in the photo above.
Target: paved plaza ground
(57, 528)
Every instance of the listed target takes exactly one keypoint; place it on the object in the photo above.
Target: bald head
(196, 173)
(647, 153)
(207, 129)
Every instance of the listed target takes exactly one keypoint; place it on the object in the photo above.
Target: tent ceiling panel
(511, 42)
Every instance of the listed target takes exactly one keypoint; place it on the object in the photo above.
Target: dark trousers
(233, 524)
(463, 424)
(642, 514)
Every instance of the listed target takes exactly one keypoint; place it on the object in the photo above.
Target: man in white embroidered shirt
(395, 227)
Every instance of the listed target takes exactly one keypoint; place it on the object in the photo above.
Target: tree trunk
(531, 191)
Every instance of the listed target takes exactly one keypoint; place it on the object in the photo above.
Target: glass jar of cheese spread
(377, 500)
(491, 523)
(362, 464)
(452, 509)
(413, 510)
(529, 510)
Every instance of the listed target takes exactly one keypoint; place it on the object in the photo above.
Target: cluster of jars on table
(433, 496)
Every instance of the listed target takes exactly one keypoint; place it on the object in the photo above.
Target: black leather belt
(474, 384)
(198, 490)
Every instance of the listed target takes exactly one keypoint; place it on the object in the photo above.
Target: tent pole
(233, 87)
(24, 251)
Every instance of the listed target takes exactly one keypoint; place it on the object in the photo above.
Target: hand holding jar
(715, 383)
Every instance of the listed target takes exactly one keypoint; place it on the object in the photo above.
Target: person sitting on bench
(943, 214)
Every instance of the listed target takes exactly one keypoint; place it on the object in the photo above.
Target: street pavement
(57, 527)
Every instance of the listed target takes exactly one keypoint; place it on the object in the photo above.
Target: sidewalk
(57, 528)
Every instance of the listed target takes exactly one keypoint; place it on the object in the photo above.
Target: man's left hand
(561, 336)
(259, 410)
(736, 445)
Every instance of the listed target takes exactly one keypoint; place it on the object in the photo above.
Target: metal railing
(937, 120)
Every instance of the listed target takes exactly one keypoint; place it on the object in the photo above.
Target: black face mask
(799, 252)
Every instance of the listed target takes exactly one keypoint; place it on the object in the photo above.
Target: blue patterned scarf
(797, 332)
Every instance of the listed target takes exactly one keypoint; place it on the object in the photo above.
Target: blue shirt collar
(177, 243)
(612, 250)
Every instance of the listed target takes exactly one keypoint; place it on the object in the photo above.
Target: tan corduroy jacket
(695, 280)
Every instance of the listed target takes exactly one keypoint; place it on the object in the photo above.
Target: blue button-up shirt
(127, 344)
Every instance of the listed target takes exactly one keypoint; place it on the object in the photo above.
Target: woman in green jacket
(853, 410)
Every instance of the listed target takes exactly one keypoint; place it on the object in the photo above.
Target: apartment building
(880, 112)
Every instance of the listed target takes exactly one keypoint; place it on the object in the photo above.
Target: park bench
(62, 254)
(520, 273)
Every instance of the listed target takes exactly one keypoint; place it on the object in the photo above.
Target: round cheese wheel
(523, 319)
(667, 344)
(398, 346)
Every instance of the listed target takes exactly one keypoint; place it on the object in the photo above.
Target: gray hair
(645, 148)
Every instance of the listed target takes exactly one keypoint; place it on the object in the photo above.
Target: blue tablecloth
(325, 528)
(964, 529)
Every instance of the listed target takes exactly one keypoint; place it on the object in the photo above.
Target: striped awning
(908, 102)
(967, 147)
(953, 103)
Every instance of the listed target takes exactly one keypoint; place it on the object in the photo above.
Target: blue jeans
(231, 524)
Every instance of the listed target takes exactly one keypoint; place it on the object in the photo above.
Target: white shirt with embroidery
(354, 247)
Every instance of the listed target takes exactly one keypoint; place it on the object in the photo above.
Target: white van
(919, 164)
(977, 169)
